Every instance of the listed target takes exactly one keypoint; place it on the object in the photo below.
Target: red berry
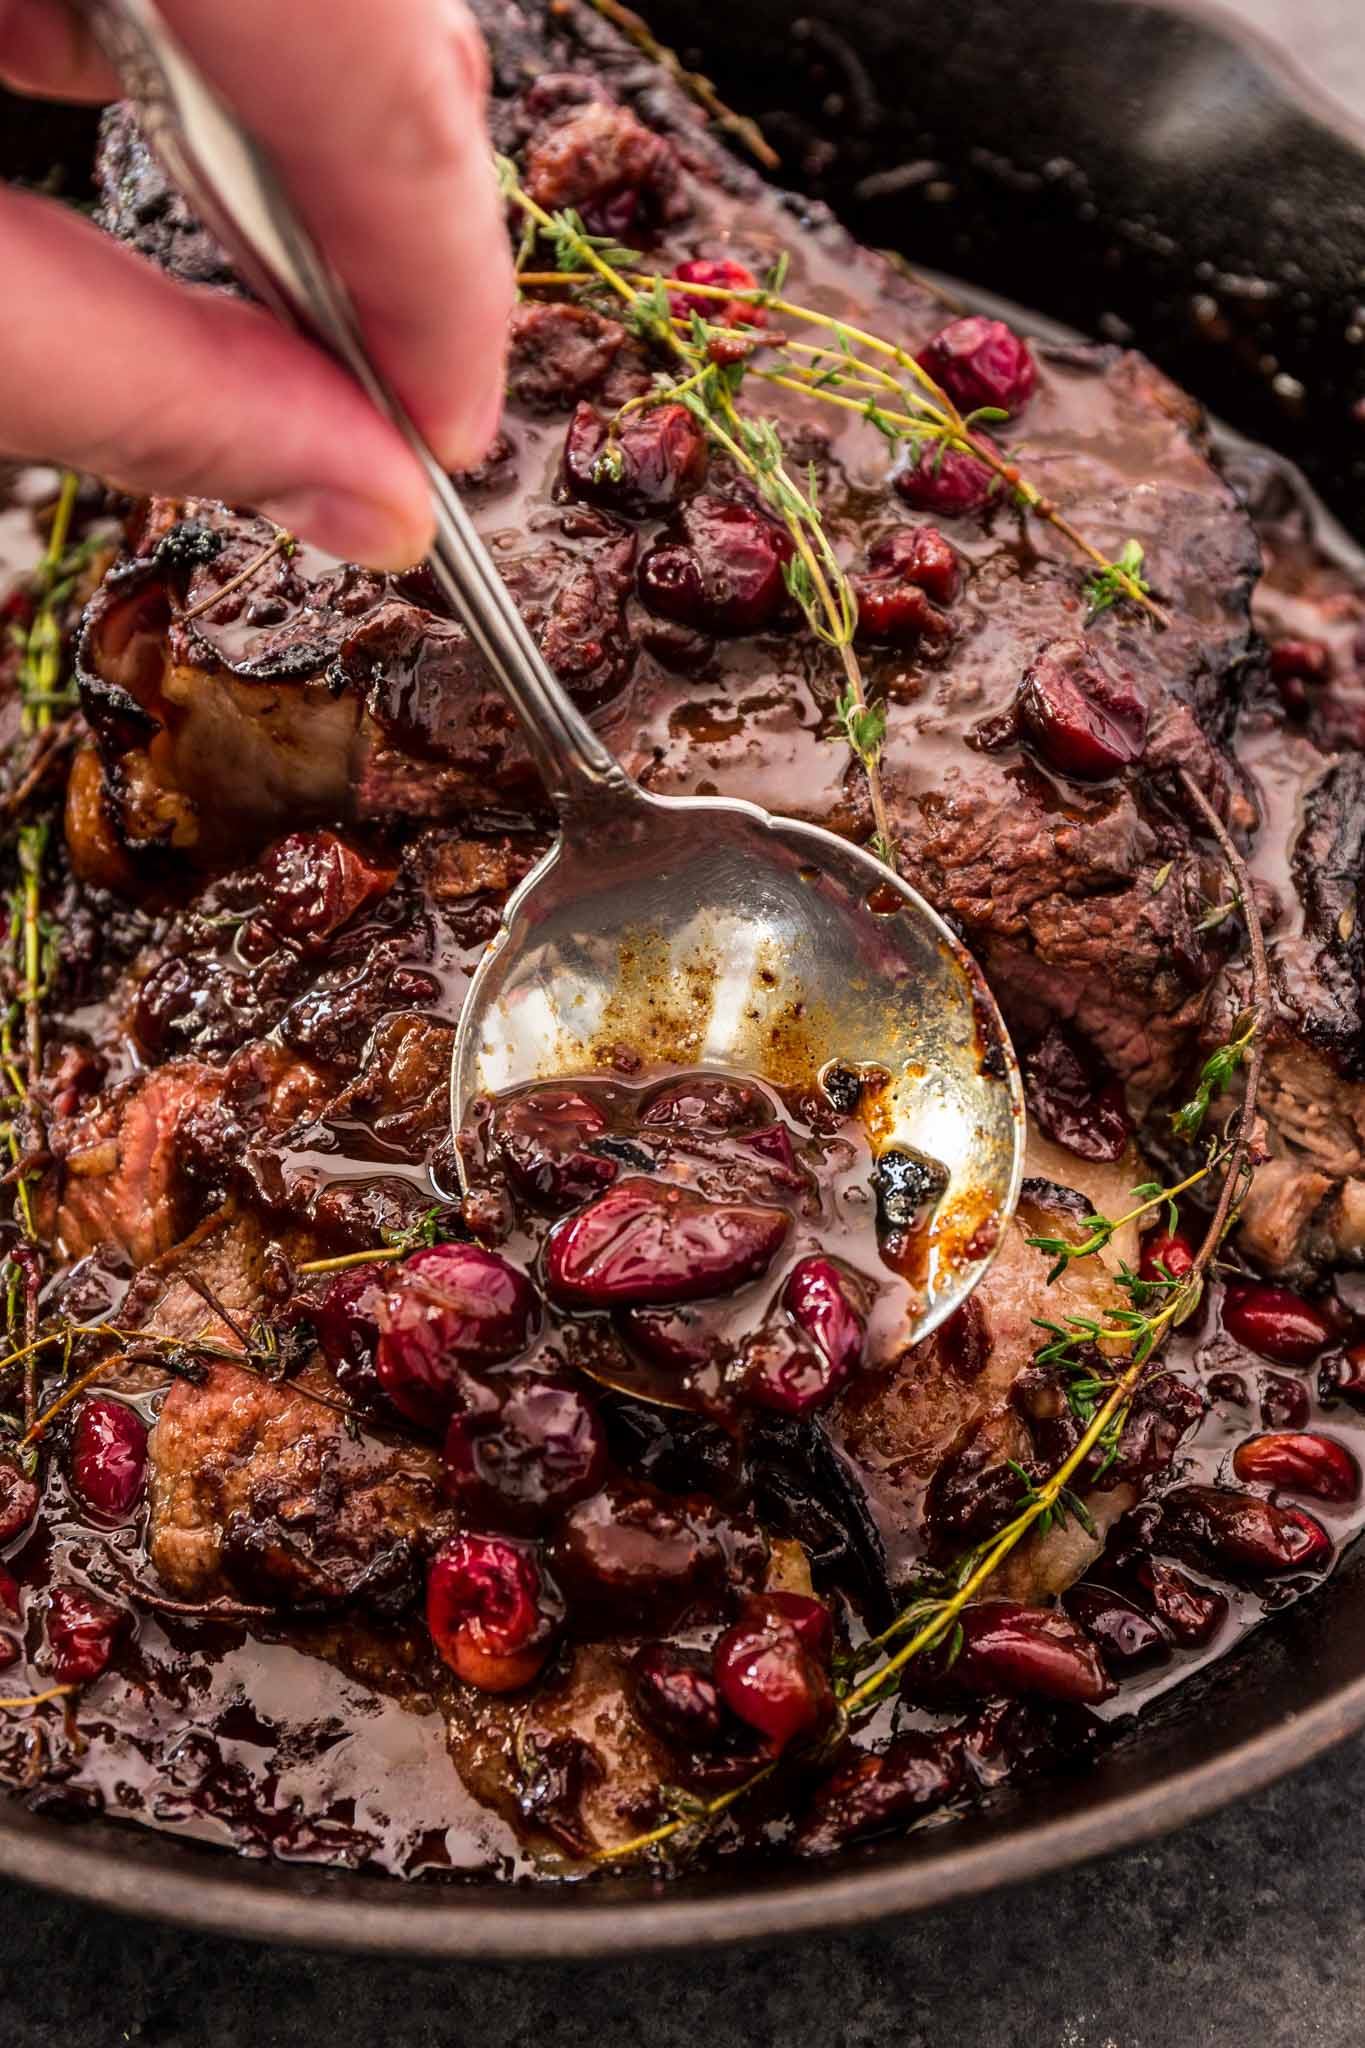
(1129, 1640)
(82, 1630)
(724, 572)
(1012, 1649)
(780, 1369)
(18, 1500)
(490, 1613)
(449, 1309)
(542, 1138)
(819, 1302)
(347, 1323)
(946, 482)
(896, 613)
(705, 1103)
(875, 1791)
(1308, 659)
(1275, 1322)
(1193, 1614)
(649, 1241)
(1168, 1254)
(1284, 1402)
(723, 273)
(1074, 1097)
(917, 554)
(314, 882)
(1079, 719)
(633, 1556)
(676, 1696)
(1300, 1461)
(1242, 1534)
(525, 1450)
(981, 362)
(654, 460)
(770, 1674)
(11, 1599)
(109, 1456)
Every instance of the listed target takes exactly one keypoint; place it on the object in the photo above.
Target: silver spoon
(693, 930)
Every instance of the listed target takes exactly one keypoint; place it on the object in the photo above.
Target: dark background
(1244, 1932)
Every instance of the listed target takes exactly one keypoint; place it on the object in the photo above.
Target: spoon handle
(230, 183)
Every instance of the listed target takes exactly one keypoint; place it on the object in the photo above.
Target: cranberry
(980, 362)
(725, 573)
(895, 613)
(870, 1793)
(530, 1448)
(1079, 719)
(632, 1554)
(1284, 1402)
(347, 1323)
(1229, 1386)
(948, 483)
(315, 882)
(1343, 1377)
(449, 1308)
(1242, 1534)
(676, 1696)
(542, 1139)
(646, 1241)
(724, 274)
(1274, 1322)
(1193, 1614)
(772, 1670)
(11, 1599)
(1167, 1254)
(818, 1299)
(1075, 1098)
(656, 458)
(918, 554)
(1129, 1640)
(489, 1611)
(1308, 659)
(703, 1102)
(82, 1630)
(18, 1500)
(773, 1144)
(780, 1369)
(1012, 1649)
(678, 1339)
(109, 1456)
(1300, 1461)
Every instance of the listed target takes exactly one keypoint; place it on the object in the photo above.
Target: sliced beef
(117, 1176)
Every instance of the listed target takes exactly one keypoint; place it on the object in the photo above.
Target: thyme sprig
(1102, 1230)
(1106, 586)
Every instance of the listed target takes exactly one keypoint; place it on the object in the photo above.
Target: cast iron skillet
(1137, 172)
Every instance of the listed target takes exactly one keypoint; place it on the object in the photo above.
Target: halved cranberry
(1012, 1649)
(1129, 1640)
(657, 457)
(449, 1308)
(82, 1630)
(1242, 1534)
(872, 1792)
(947, 482)
(1275, 1322)
(896, 613)
(542, 1138)
(633, 1555)
(314, 882)
(675, 1695)
(18, 1500)
(1193, 1613)
(490, 1612)
(772, 1671)
(818, 1298)
(725, 572)
(780, 1369)
(109, 1456)
(703, 1102)
(918, 554)
(1284, 1402)
(981, 362)
(723, 274)
(773, 1144)
(647, 1241)
(1300, 1461)
(1167, 1254)
(1078, 718)
(518, 1457)
(347, 1323)
(1075, 1098)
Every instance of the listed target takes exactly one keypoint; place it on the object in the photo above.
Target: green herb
(1120, 579)
(1217, 1071)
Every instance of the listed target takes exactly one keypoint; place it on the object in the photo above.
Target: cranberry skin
(676, 1696)
(703, 1102)
(1241, 1534)
(679, 1340)
(449, 1309)
(660, 454)
(1275, 1322)
(949, 485)
(724, 274)
(542, 1140)
(489, 1611)
(109, 1456)
(894, 613)
(725, 573)
(82, 1630)
(18, 1500)
(633, 1555)
(770, 1675)
(1308, 660)
(784, 1371)
(981, 362)
(314, 883)
(1192, 1613)
(647, 1241)
(1028, 1650)
(871, 1793)
(1284, 1402)
(817, 1299)
(1128, 1639)
(1075, 1098)
(918, 554)
(518, 1459)
(1080, 720)
(1167, 1253)
(773, 1144)
(1300, 1461)
(11, 1599)
(347, 1323)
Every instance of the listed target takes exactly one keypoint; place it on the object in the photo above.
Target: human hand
(379, 135)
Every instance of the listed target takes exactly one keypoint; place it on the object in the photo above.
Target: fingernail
(467, 439)
(354, 528)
